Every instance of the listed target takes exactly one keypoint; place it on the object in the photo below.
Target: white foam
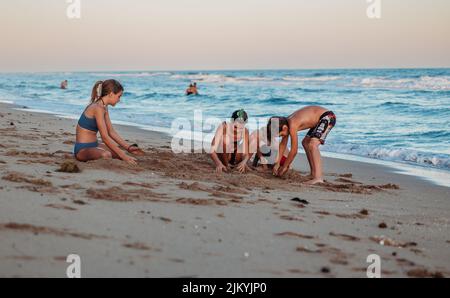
(218, 78)
(394, 154)
(133, 75)
(209, 78)
(423, 83)
(255, 79)
(312, 79)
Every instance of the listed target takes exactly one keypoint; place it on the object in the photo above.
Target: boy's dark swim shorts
(326, 123)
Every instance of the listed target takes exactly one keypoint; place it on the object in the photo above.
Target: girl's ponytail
(96, 91)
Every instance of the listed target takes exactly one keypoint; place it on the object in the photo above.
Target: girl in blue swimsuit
(94, 119)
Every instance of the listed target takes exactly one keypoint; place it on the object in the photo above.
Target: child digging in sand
(319, 121)
(230, 145)
(94, 119)
(264, 154)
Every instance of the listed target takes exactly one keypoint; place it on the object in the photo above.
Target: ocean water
(399, 115)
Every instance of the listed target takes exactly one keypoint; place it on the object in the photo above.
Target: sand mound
(69, 167)
(199, 167)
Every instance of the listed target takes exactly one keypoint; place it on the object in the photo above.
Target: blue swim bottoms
(81, 146)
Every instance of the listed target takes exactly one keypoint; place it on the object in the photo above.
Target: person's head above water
(283, 127)
(109, 91)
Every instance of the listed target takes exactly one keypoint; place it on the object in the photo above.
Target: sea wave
(278, 101)
(52, 87)
(132, 75)
(209, 78)
(312, 79)
(441, 134)
(222, 78)
(416, 109)
(309, 90)
(423, 83)
(154, 95)
(394, 154)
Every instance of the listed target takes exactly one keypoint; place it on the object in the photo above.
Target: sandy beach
(172, 216)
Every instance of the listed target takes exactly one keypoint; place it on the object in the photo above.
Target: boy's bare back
(306, 118)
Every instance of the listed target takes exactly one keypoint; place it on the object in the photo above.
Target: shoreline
(435, 176)
(173, 217)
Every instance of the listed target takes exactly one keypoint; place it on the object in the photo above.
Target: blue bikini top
(88, 123)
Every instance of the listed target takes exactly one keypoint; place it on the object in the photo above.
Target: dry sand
(172, 216)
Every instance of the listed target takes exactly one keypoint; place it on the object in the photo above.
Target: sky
(37, 35)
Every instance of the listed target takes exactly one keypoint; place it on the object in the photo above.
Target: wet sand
(172, 216)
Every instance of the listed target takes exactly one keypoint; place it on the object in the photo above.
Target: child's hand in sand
(242, 167)
(221, 168)
(275, 169)
(136, 151)
(131, 160)
(282, 170)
